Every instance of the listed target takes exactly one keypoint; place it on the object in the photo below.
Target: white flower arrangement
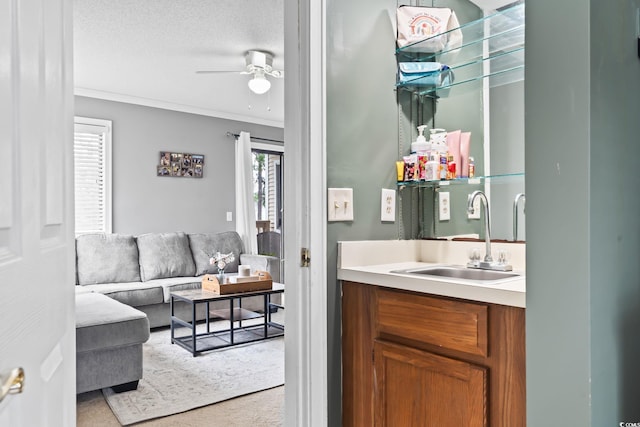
(221, 260)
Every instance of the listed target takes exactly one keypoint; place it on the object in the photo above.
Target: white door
(36, 211)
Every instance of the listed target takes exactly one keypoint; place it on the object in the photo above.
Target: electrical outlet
(476, 209)
(388, 205)
(444, 206)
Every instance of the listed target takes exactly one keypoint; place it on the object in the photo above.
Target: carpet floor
(260, 401)
(261, 409)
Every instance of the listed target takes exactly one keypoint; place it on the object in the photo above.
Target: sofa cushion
(171, 284)
(105, 323)
(164, 255)
(204, 245)
(106, 258)
(135, 294)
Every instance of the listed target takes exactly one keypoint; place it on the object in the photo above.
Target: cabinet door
(415, 388)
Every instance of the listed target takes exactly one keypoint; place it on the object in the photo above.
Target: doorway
(268, 167)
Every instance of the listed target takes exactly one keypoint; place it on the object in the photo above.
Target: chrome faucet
(515, 213)
(488, 263)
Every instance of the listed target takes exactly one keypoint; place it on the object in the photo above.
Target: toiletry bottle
(463, 166)
(472, 168)
(420, 145)
(454, 149)
(400, 170)
(451, 167)
(438, 140)
(443, 166)
(432, 170)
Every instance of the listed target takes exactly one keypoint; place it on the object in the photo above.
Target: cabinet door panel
(456, 325)
(415, 388)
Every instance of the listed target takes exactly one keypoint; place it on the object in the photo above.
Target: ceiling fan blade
(276, 73)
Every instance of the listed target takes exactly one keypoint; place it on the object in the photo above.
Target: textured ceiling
(147, 52)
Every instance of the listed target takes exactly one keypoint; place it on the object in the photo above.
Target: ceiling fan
(260, 65)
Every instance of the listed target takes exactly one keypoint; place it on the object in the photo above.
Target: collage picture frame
(185, 165)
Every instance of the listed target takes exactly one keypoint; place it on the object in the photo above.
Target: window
(92, 157)
(267, 184)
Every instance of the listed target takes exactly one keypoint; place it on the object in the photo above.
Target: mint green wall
(583, 292)
(362, 134)
(583, 228)
(614, 213)
(362, 140)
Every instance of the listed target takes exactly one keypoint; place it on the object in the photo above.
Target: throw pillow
(165, 255)
(206, 244)
(106, 258)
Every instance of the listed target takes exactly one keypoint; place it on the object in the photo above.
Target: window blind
(92, 151)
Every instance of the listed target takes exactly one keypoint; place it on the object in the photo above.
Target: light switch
(444, 206)
(229, 216)
(340, 204)
(388, 205)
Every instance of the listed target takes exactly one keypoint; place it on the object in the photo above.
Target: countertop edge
(514, 296)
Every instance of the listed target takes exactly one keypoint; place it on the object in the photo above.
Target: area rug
(174, 381)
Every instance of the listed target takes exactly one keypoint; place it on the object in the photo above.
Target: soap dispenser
(438, 140)
(420, 145)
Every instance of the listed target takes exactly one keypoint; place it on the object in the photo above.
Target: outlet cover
(476, 209)
(340, 204)
(388, 205)
(444, 206)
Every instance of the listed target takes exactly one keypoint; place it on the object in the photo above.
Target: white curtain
(245, 209)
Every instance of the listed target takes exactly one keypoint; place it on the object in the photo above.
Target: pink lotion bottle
(465, 143)
(453, 147)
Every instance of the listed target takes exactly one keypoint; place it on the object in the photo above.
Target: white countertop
(510, 291)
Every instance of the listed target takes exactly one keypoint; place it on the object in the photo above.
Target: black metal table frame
(192, 347)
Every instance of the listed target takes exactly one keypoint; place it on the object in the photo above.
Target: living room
(144, 83)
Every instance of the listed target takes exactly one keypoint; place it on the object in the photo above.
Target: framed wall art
(185, 165)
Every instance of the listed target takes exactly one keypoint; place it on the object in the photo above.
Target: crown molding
(147, 102)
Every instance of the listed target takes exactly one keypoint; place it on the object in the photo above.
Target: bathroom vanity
(431, 351)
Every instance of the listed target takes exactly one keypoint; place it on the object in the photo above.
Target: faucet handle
(503, 256)
(474, 254)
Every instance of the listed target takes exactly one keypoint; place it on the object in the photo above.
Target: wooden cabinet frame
(364, 335)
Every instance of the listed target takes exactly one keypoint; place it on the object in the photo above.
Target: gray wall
(144, 202)
(583, 292)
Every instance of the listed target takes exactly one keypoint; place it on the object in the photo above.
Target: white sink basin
(454, 272)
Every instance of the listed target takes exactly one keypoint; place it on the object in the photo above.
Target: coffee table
(197, 342)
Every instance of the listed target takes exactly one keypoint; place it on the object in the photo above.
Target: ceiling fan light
(259, 84)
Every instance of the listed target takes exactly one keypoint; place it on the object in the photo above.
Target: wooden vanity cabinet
(412, 359)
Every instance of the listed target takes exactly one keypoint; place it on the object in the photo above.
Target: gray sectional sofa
(141, 271)
(122, 290)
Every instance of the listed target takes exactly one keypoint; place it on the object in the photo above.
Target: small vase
(221, 275)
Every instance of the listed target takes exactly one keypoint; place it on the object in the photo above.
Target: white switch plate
(476, 209)
(229, 216)
(340, 204)
(444, 206)
(388, 205)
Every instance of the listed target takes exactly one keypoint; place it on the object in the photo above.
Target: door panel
(37, 273)
(415, 388)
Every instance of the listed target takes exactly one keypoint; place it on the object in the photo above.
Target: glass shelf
(478, 180)
(493, 47)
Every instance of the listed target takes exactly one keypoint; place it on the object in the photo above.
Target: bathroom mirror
(492, 109)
